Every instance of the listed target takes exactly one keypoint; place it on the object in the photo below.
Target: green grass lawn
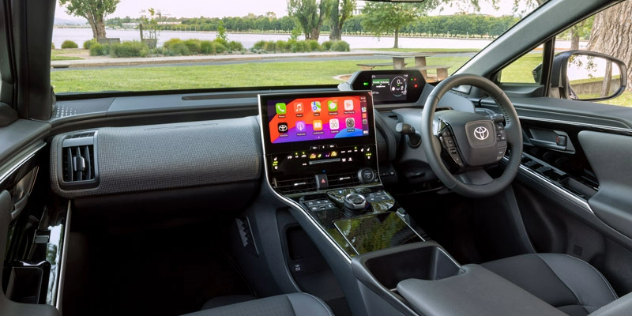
(219, 76)
(256, 75)
(521, 70)
(623, 100)
(424, 50)
(58, 54)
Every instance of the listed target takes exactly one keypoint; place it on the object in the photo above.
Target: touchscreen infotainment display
(304, 119)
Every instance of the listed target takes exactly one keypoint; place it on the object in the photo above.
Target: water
(248, 40)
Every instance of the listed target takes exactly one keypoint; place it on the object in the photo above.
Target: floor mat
(152, 272)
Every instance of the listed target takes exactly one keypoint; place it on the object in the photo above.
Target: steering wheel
(459, 145)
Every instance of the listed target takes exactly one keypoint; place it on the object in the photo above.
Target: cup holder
(424, 261)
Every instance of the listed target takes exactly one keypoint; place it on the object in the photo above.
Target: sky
(222, 8)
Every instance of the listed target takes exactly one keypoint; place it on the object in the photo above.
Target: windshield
(145, 45)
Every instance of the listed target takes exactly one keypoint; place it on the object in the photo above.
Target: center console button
(321, 181)
(366, 175)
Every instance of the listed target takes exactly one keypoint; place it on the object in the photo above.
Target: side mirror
(587, 76)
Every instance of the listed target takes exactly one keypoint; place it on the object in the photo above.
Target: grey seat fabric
(227, 300)
(567, 283)
(297, 304)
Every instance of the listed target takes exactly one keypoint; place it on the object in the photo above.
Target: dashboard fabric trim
(169, 156)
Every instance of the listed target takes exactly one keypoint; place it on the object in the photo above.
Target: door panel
(610, 156)
(8, 307)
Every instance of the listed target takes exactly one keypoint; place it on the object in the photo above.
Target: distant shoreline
(323, 34)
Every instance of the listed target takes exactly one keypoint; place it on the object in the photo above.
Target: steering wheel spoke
(475, 177)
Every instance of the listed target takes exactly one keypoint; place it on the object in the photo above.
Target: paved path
(110, 63)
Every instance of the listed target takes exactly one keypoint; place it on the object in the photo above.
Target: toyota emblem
(481, 133)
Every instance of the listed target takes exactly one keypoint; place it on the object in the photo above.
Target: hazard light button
(322, 182)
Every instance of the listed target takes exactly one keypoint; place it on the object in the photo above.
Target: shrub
(314, 46)
(99, 50)
(69, 44)
(129, 49)
(340, 46)
(301, 46)
(88, 44)
(235, 46)
(177, 49)
(282, 46)
(260, 45)
(219, 48)
(167, 45)
(327, 45)
(207, 47)
(194, 46)
(52, 45)
(271, 46)
(221, 41)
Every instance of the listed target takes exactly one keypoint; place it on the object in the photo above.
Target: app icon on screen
(333, 106)
(281, 108)
(334, 124)
(300, 126)
(298, 108)
(316, 106)
(364, 115)
(350, 122)
(283, 128)
(364, 109)
(318, 125)
(348, 105)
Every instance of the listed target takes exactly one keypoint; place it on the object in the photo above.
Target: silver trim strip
(62, 270)
(571, 196)
(608, 128)
(18, 162)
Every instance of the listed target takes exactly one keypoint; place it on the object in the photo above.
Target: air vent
(295, 185)
(341, 180)
(78, 163)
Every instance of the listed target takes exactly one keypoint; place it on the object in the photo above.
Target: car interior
(383, 195)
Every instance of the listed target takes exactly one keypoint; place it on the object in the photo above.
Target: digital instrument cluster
(390, 86)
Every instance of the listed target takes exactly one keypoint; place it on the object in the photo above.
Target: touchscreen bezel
(264, 120)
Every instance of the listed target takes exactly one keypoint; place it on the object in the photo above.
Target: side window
(590, 78)
(526, 69)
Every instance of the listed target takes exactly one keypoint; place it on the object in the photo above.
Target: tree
(383, 18)
(310, 14)
(341, 10)
(612, 34)
(94, 11)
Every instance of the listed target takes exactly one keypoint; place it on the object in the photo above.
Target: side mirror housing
(587, 76)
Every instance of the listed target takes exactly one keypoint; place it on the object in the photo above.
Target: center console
(321, 154)
(320, 158)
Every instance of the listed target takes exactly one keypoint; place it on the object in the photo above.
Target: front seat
(296, 304)
(571, 285)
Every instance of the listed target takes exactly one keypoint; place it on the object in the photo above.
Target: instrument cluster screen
(390, 87)
(317, 118)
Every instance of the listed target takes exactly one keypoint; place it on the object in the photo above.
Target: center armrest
(475, 291)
